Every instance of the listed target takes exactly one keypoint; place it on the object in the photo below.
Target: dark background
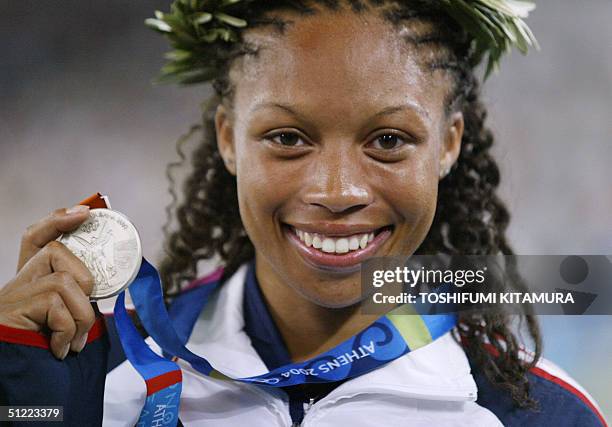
(78, 114)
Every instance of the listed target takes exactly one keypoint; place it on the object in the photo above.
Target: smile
(329, 244)
(331, 251)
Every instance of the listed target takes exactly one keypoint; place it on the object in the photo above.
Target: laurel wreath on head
(202, 31)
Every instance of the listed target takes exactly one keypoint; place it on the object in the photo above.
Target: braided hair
(470, 218)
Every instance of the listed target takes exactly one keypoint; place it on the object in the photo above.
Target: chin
(336, 294)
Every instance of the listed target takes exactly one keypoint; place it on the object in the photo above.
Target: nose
(337, 183)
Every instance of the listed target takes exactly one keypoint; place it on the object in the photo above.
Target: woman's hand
(51, 288)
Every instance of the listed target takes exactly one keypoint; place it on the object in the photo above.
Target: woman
(339, 131)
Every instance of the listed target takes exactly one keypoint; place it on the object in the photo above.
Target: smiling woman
(339, 131)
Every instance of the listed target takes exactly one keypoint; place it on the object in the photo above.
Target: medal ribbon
(388, 338)
(162, 376)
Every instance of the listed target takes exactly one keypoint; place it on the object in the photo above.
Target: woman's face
(337, 138)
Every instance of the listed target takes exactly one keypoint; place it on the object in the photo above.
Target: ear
(225, 138)
(451, 146)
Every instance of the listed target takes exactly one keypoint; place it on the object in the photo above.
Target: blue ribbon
(162, 407)
(378, 344)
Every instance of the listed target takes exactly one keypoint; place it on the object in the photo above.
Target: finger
(75, 300)
(55, 257)
(49, 308)
(62, 326)
(12, 315)
(48, 229)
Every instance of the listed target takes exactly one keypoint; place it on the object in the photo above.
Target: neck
(308, 329)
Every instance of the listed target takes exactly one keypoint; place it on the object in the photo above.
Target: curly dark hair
(470, 218)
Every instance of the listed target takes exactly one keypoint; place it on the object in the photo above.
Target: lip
(341, 263)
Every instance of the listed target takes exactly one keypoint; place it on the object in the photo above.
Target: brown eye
(388, 142)
(287, 139)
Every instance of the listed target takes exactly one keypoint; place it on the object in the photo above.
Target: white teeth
(340, 245)
(308, 239)
(328, 245)
(363, 242)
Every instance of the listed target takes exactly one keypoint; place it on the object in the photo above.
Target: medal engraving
(109, 245)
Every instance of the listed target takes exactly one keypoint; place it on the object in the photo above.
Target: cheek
(263, 189)
(411, 190)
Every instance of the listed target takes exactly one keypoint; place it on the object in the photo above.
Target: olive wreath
(200, 32)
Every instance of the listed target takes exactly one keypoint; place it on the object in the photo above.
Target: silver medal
(109, 245)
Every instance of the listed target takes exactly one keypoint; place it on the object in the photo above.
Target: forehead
(336, 59)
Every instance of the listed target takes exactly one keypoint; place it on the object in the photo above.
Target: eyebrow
(409, 106)
(412, 106)
(284, 107)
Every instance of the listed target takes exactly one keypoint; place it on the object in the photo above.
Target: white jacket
(431, 386)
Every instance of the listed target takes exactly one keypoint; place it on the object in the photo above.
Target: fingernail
(65, 352)
(80, 343)
(78, 209)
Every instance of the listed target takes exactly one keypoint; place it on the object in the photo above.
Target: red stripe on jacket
(561, 383)
(548, 376)
(40, 340)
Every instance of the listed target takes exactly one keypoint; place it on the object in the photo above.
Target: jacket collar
(437, 371)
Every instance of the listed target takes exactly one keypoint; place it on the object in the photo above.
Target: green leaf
(178, 55)
(466, 16)
(226, 35)
(231, 20)
(526, 32)
(202, 17)
(520, 8)
(158, 25)
(503, 27)
(497, 6)
(200, 76)
(176, 67)
(210, 36)
(229, 2)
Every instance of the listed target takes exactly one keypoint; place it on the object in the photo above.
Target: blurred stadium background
(78, 114)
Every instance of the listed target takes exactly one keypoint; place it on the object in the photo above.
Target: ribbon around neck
(386, 339)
